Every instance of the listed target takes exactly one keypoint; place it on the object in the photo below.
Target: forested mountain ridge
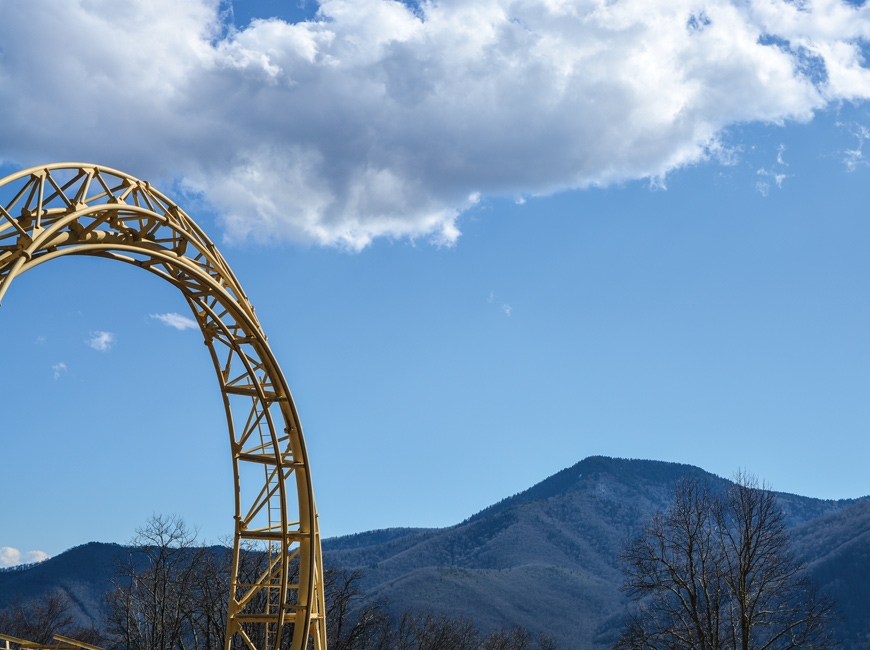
(837, 550)
(545, 558)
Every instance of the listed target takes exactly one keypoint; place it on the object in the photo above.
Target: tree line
(716, 572)
(171, 594)
(713, 572)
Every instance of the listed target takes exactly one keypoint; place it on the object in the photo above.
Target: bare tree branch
(717, 573)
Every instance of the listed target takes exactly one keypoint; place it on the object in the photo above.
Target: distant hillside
(544, 558)
(837, 547)
(84, 573)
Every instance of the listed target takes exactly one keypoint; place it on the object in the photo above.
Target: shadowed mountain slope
(837, 549)
(545, 558)
(84, 573)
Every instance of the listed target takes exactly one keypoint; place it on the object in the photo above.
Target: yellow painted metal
(61, 643)
(80, 209)
(79, 645)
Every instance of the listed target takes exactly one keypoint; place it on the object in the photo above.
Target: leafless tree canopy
(171, 595)
(164, 599)
(41, 618)
(715, 572)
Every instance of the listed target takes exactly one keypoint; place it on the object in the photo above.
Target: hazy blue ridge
(629, 471)
(545, 558)
(373, 538)
(558, 539)
(84, 573)
(837, 549)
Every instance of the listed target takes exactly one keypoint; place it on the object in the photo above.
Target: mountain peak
(629, 471)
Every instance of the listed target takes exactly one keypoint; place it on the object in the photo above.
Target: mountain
(837, 549)
(84, 573)
(544, 558)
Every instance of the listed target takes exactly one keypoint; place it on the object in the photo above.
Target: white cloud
(775, 173)
(855, 158)
(9, 556)
(12, 556)
(374, 120)
(35, 556)
(763, 186)
(58, 368)
(507, 309)
(101, 341)
(177, 321)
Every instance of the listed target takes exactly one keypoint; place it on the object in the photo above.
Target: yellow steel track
(80, 209)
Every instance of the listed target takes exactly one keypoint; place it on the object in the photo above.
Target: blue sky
(475, 271)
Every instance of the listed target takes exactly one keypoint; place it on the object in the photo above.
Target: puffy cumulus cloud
(378, 120)
(177, 321)
(9, 556)
(12, 556)
(35, 556)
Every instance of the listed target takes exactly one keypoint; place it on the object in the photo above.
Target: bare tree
(155, 605)
(715, 572)
(516, 638)
(353, 623)
(211, 586)
(39, 619)
(429, 631)
(171, 594)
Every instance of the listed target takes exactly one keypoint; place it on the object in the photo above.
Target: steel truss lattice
(79, 209)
